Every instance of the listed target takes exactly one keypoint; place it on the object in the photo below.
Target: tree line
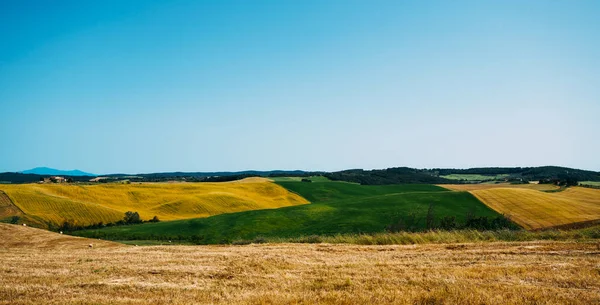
(130, 218)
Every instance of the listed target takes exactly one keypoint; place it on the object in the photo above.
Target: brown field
(69, 272)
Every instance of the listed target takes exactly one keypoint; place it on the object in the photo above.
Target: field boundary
(573, 226)
(4, 197)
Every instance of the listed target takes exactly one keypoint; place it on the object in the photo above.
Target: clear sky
(147, 86)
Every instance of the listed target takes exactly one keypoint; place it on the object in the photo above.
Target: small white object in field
(24, 224)
(169, 241)
(60, 232)
(136, 245)
(90, 245)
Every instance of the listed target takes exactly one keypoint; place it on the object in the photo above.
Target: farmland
(487, 186)
(538, 206)
(533, 209)
(474, 177)
(336, 208)
(592, 183)
(40, 267)
(88, 204)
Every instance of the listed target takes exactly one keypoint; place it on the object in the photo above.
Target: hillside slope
(336, 208)
(88, 204)
(18, 236)
(538, 206)
(533, 209)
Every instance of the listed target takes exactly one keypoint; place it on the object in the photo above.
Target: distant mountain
(55, 172)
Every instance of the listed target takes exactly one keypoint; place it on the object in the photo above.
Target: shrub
(259, 240)
(242, 242)
(311, 239)
(15, 219)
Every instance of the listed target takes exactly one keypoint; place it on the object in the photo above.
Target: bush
(259, 240)
(311, 239)
(448, 223)
(241, 242)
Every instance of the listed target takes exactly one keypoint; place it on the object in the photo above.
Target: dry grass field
(536, 210)
(87, 204)
(482, 273)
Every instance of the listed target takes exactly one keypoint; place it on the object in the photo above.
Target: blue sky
(147, 86)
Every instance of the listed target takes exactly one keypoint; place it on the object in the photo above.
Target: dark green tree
(132, 217)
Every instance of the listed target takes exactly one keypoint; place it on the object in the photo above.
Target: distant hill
(55, 172)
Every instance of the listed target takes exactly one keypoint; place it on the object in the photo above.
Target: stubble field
(475, 273)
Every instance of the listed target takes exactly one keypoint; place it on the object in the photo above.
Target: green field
(474, 177)
(298, 179)
(336, 208)
(593, 183)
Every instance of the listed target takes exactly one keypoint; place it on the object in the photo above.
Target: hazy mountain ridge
(55, 172)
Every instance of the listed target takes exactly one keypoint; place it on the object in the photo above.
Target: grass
(486, 186)
(445, 237)
(540, 272)
(336, 208)
(593, 183)
(87, 204)
(474, 177)
(537, 210)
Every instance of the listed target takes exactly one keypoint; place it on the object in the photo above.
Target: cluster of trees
(413, 223)
(130, 218)
(563, 181)
(397, 175)
(549, 174)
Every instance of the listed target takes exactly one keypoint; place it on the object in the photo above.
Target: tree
(430, 217)
(15, 219)
(448, 223)
(132, 217)
(154, 219)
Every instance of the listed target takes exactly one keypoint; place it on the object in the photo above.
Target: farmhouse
(54, 179)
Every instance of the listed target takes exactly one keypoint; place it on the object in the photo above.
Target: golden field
(537, 210)
(40, 267)
(532, 208)
(88, 204)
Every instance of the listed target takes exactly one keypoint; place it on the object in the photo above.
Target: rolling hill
(336, 208)
(52, 204)
(538, 210)
(18, 236)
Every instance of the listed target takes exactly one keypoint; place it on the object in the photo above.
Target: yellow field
(530, 207)
(41, 267)
(87, 204)
(536, 210)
